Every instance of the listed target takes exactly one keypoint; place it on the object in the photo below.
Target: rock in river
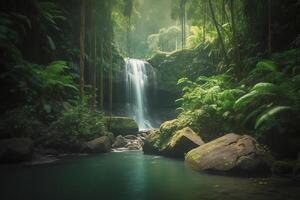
(122, 125)
(179, 143)
(231, 153)
(99, 145)
(119, 142)
(183, 141)
(16, 149)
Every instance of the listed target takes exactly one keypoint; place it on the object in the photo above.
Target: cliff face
(170, 67)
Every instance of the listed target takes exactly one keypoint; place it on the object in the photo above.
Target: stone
(130, 137)
(177, 144)
(183, 141)
(16, 149)
(282, 168)
(110, 135)
(151, 143)
(119, 142)
(122, 125)
(231, 153)
(99, 145)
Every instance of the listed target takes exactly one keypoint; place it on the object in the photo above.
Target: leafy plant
(208, 104)
(266, 100)
(78, 121)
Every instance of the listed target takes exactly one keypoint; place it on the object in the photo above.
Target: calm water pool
(132, 176)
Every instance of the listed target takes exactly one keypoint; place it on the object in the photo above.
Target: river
(132, 176)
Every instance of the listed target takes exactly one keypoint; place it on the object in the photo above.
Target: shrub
(79, 122)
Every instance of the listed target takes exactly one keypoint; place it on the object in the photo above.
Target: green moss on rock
(171, 142)
(121, 125)
(231, 153)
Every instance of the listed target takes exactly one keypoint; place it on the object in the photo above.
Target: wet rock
(183, 141)
(99, 145)
(175, 145)
(296, 170)
(282, 168)
(231, 153)
(152, 143)
(43, 151)
(122, 125)
(110, 135)
(16, 149)
(130, 137)
(134, 145)
(146, 132)
(119, 142)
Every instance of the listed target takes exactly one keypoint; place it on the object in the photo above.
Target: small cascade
(137, 76)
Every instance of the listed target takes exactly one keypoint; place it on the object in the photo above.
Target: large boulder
(182, 142)
(152, 143)
(231, 153)
(99, 145)
(16, 149)
(119, 142)
(282, 168)
(122, 125)
(177, 144)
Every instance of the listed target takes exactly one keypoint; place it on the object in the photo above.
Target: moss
(121, 125)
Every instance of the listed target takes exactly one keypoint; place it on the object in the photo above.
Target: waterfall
(138, 74)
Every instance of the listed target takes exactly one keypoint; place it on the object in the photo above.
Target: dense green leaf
(270, 114)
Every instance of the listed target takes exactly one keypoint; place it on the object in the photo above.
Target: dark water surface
(132, 176)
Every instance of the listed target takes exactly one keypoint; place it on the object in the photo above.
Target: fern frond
(266, 65)
(270, 114)
(264, 87)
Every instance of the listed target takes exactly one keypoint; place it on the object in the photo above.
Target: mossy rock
(16, 150)
(99, 145)
(182, 142)
(122, 125)
(171, 143)
(232, 153)
(152, 143)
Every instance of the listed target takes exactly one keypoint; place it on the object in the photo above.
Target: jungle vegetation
(238, 68)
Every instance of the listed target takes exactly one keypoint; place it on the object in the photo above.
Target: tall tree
(234, 38)
(110, 61)
(94, 75)
(183, 22)
(269, 26)
(204, 19)
(82, 41)
(213, 16)
(101, 86)
(128, 8)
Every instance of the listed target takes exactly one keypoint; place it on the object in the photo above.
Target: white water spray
(137, 81)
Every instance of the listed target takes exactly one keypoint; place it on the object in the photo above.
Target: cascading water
(137, 76)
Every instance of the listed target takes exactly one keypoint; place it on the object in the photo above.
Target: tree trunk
(101, 93)
(82, 41)
(270, 27)
(94, 69)
(218, 31)
(234, 38)
(110, 73)
(110, 80)
(182, 9)
(128, 36)
(223, 12)
(204, 20)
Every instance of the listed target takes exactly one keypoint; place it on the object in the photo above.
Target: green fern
(270, 114)
(54, 77)
(259, 91)
(266, 65)
(264, 87)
